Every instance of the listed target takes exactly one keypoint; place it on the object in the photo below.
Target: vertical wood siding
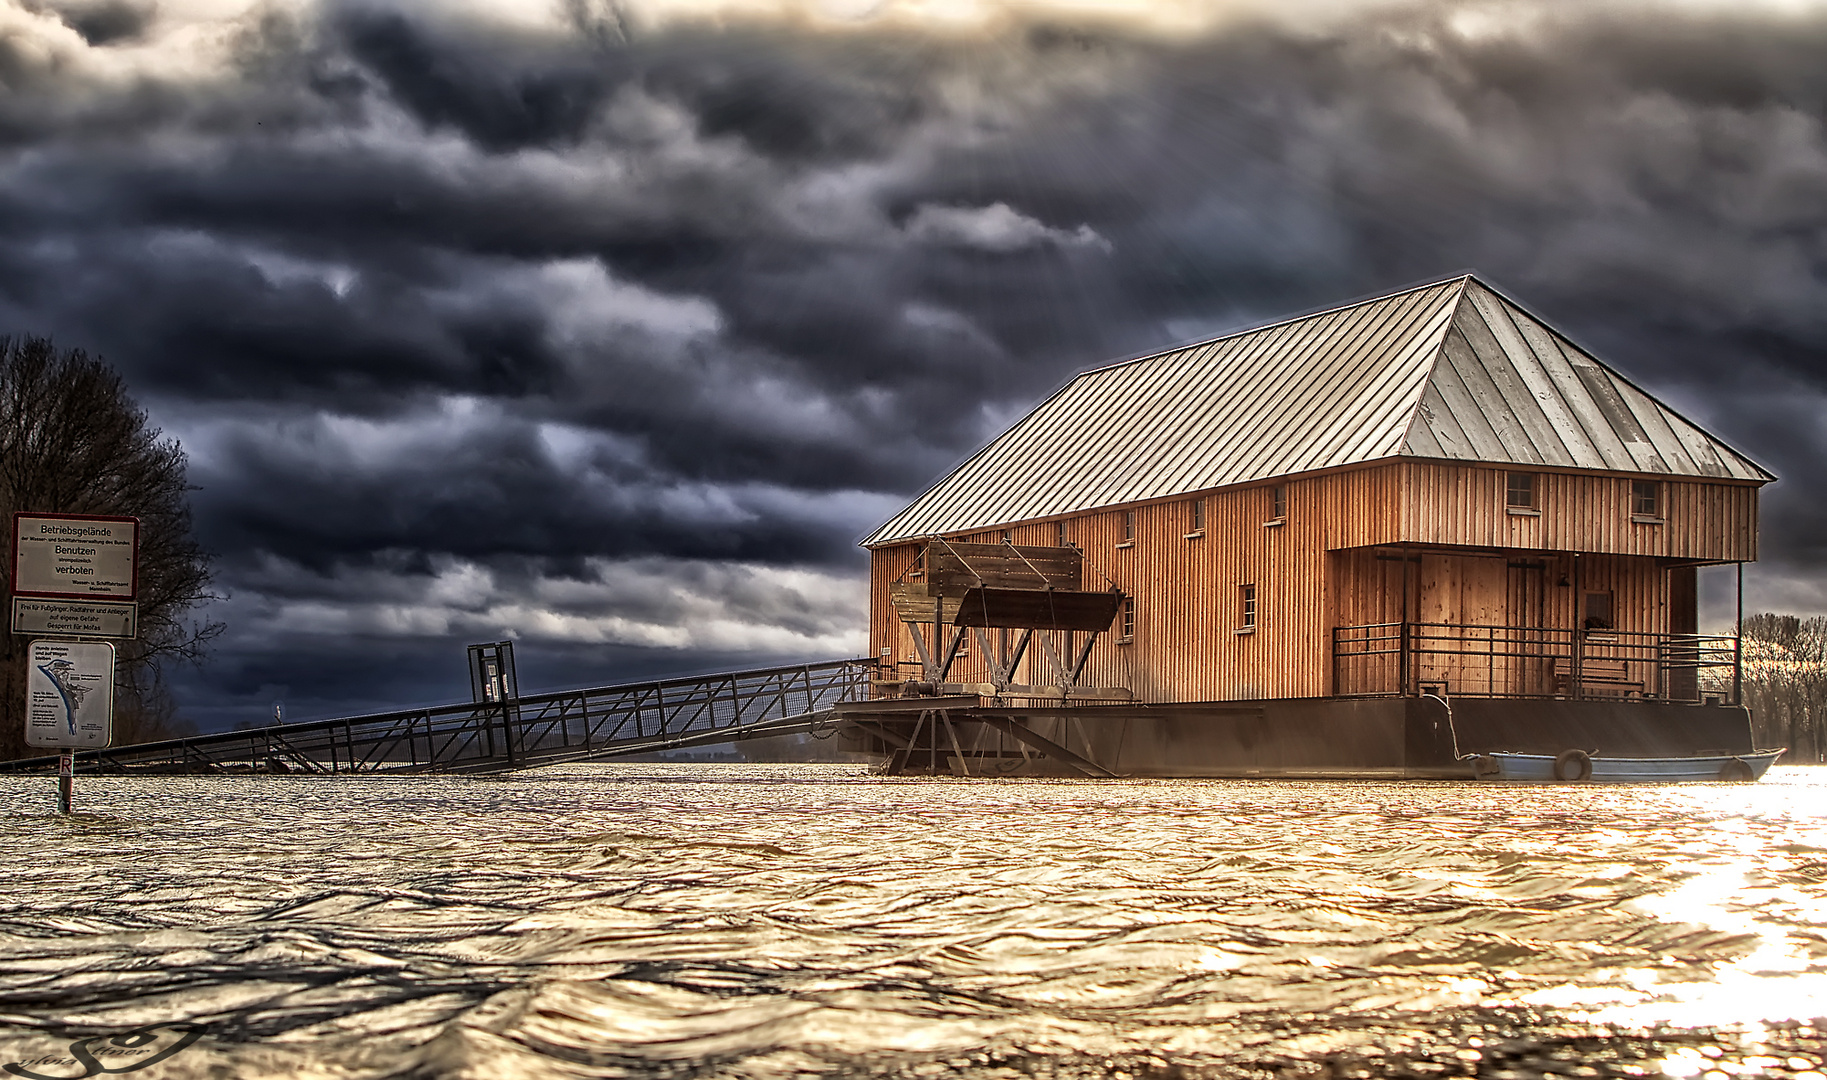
(1457, 505)
(1337, 559)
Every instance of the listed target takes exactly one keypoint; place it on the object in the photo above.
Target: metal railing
(538, 729)
(1403, 658)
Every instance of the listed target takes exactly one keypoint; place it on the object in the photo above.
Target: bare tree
(73, 442)
(1785, 683)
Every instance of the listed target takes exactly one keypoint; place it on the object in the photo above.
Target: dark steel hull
(1303, 738)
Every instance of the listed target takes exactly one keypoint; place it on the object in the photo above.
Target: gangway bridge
(500, 732)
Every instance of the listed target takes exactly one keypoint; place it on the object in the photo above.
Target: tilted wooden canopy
(1001, 585)
(1450, 371)
(953, 567)
(1038, 609)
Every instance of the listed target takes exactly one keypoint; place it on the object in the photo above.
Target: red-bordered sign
(76, 556)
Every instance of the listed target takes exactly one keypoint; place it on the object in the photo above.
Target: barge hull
(1295, 738)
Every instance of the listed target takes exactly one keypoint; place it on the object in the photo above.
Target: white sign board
(75, 557)
(69, 694)
(76, 618)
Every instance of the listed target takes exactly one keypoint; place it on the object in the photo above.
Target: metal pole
(1577, 660)
(66, 780)
(1738, 638)
(1402, 662)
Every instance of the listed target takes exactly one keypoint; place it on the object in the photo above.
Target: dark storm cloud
(531, 326)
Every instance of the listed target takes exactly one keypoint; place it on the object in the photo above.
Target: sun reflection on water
(785, 920)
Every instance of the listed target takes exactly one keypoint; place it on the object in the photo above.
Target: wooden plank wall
(1318, 569)
(1454, 504)
(1188, 588)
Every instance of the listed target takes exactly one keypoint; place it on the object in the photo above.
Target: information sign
(75, 556)
(69, 694)
(76, 618)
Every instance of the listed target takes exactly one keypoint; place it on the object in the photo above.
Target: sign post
(69, 703)
(75, 575)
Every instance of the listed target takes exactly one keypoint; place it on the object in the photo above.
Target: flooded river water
(781, 920)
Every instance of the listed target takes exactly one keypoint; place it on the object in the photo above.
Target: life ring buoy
(1737, 770)
(1573, 765)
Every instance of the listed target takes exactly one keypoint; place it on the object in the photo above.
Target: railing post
(1402, 663)
(1335, 661)
(1576, 689)
(507, 732)
(1738, 670)
(1738, 636)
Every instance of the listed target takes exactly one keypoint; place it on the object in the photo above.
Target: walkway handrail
(1471, 659)
(463, 734)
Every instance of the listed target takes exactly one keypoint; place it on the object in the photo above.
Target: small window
(1195, 518)
(1645, 498)
(1247, 606)
(1520, 491)
(1279, 501)
(1598, 611)
(1006, 536)
(1129, 526)
(1129, 620)
(1060, 534)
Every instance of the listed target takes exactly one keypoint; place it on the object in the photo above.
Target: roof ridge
(1286, 320)
(1446, 329)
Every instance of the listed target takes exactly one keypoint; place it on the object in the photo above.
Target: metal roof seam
(1448, 370)
(1525, 309)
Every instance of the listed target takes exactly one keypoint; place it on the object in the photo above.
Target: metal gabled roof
(1508, 389)
(1452, 370)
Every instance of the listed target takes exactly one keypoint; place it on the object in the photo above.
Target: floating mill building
(1370, 541)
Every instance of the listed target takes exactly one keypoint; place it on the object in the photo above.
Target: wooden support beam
(897, 764)
(1073, 693)
(1022, 733)
(1002, 667)
(882, 731)
(957, 751)
(951, 654)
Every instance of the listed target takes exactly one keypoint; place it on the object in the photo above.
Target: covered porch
(1458, 659)
(1506, 623)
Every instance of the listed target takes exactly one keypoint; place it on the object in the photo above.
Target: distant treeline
(1785, 684)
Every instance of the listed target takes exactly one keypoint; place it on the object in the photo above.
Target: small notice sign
(69, 694)
(76, 618)
(75, 556)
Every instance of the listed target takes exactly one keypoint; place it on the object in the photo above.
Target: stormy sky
(611, 327)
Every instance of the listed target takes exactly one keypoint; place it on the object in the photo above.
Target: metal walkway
(539, 729)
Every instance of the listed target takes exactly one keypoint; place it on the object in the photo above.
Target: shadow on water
(777, 920)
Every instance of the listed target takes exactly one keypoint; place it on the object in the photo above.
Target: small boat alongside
(1573, 766)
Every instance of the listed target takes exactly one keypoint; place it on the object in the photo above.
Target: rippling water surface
(777, 920)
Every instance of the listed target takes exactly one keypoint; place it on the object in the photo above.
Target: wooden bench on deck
(1597, 674)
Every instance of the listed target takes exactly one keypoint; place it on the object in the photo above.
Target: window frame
(1590, 622)
(1129, 529)
(1249, 611)
(1653, 488)
(1126, 621)
(1531, 487)
(1196, 518)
